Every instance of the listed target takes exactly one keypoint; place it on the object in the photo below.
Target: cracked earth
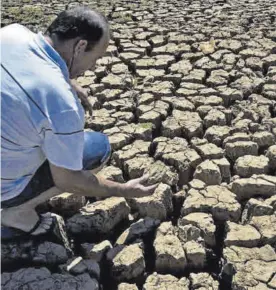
(187, 93)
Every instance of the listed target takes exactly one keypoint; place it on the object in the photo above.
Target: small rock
(170, 256)
(153, 112)
(230, 44)
(113, 81)
(128, 264)
(224, 167)
(108, 95)
(209, 151)
(67, 203)
(175, 152)
(157, 40)
(266, 225)
(269, 91)
(271, 155)
(189, 122)
(101, 120)
(137, 148)
(111, 253)
(165, 146)
(208, 172)
(189, 233)
(203, 281)
(136, 167)
(237, 149)
(196, 254)
(158, 206)
(45, 253)
(241, 125)
(79, 266)
(216, 134)
(263, 139)
(249, 52)
(248, 85)
(112, 173)
(255, 207)
(254, 63)
(213, 101)
(160, 62)
(99, 217)
(195, 76)
(183, 66)
(108, 60)
(156, 282)
(153, 74)
(270, 60)
(119, 68)
(157, 170)
(145, 98)
(250, 267)
(48, 253)
(248, 165)
(214, 199)
(41, 278)
(237, 137)
(204, 222)
(117, 141)
(128, 56)
(178, 103)
(271, 202)
(95, 251)
(126, 286)
(197, 184)
(241, 235)
(215, 118)
(229, 95)
(137, 230)
(262, 185)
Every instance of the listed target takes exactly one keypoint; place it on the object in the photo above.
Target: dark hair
(79, 22)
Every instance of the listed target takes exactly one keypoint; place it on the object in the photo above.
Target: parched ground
(187, 93)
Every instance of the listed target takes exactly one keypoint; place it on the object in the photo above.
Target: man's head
(81, 36)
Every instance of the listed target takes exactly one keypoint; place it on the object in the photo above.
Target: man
(42, 128)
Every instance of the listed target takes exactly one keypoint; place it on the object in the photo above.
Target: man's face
(86, 60)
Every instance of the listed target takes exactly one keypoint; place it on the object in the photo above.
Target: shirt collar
(52, 53)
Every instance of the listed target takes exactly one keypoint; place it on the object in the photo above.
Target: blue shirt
(41, 116)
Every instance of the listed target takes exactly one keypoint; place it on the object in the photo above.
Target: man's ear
(80, 47)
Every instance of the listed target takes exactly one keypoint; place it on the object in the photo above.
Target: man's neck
(55, 43)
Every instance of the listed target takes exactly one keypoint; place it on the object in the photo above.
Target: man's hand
(135, 188)
(83, 95)
(85, 183)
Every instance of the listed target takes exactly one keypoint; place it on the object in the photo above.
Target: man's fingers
(151, 188)
(82, 94)
(87, 104)
(143, 179)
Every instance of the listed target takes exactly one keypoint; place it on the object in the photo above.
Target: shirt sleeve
(63, 140)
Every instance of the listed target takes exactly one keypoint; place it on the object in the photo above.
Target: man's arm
(87, 184)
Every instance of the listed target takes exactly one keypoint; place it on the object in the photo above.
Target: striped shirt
(41, 117)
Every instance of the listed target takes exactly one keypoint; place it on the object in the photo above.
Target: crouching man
(42, 121)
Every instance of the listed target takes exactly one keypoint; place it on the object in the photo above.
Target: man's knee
(97, 150)
(107, 155)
